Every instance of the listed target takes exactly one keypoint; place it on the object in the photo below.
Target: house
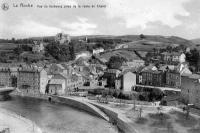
(173, 79)
(32, 80)
(139, 75)
(118, 83)
(83, 55)
(166, 56)
(56, 68)
(97, 51)
(171, 58)
(190, 89)
(56, 86)
(152, 78)
(133, 64)
(37, 47)
(150, 67)
(112, 76)
(145, 74)
(175, 56)
(183, 68)
(5, 77)
(128, 81)
(167, 67)
(72, 81)
(172, 74)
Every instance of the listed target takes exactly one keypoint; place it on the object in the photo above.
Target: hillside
(144, 45)
(158, 38)
(135, 41)
(128, 54)
(7, 46)
(196, 41)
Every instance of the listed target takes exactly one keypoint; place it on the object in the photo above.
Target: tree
(115, 62)
(193, 58)
(72, 51)
(13, 40)
(21, 48)
(142, 36)
(59, 52)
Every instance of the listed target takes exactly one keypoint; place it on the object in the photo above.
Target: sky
(119, 17)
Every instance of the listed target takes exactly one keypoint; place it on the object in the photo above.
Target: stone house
(71, 82)
(190, 89)
(38, 47)
(172, 58)
(112, 76)
(152, 78)
(173, 79)
(55, 69)
(5, 77)
(56, 86)
(32, 80)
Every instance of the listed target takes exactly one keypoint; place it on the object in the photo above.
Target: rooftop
(152, 71)
(56, 81)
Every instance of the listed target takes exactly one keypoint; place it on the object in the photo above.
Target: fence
(119, 100)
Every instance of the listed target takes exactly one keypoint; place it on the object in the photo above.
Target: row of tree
(60, 52)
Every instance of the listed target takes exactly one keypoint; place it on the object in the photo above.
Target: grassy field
(7, 46)
(165, 122)
(129, 55)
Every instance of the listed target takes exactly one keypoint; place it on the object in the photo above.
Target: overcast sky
(120, 17)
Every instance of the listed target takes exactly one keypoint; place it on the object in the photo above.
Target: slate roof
(56, 81)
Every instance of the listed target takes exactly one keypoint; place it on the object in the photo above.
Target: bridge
(6, 90)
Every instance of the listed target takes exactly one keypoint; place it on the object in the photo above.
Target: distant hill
(156, 38)
(128, 54)
(161, 39)
(147, 43)
(196, 41)
(7, 46)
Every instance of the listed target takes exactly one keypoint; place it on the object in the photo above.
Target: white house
(128, 81)
(98, 51)
(43, 81)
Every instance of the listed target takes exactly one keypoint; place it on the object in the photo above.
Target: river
(56, 118)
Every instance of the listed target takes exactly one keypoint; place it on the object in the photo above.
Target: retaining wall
(78, 104)
(116, 119)
(92, 108)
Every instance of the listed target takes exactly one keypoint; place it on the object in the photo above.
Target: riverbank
(85, 105)
(131, 120)
(115, 117)
(14, 123)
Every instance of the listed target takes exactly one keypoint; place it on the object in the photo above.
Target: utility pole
(140, 112)
(134, 102)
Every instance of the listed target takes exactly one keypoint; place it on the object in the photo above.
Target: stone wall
(116, 119)
(78, 104)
